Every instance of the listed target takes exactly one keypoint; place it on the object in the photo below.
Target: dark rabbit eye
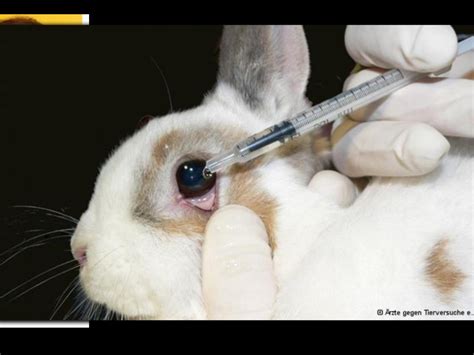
(144, 120)
(190, 181)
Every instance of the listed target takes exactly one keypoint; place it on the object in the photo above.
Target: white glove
(237, 274)
(238, 280)
(405, 135)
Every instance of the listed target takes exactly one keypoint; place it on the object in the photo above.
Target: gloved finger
(238, 280)
(385, 148)
(444, 103)
(462, 67)
(420, 48)
(334, 186)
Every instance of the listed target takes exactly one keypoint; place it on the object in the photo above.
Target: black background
(68, 96)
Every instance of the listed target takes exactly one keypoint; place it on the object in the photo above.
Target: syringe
(321, 114)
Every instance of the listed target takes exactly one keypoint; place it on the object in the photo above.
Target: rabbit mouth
(206, 202)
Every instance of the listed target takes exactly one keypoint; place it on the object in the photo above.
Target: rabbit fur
(405, 244)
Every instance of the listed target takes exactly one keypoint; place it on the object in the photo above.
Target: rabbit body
(405, 244)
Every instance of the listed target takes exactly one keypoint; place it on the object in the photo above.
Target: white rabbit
(405, 244)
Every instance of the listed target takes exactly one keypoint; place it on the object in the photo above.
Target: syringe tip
(206, 173)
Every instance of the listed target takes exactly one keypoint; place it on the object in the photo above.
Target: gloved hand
(404, 135)
(237, 274)
(238, 280)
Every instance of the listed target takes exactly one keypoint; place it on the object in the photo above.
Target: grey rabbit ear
(267, 65)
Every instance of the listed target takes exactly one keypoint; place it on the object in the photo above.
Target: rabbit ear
(267, 65)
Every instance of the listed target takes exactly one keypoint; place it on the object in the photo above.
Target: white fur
(136, 270)
(330, 262)
(372, 255)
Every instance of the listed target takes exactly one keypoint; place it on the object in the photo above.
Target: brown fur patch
(322, 145)
(194, 221)
(143, 207)
(245, 191)
(244, 186)
(296, 152)
(167, 143)
(442, 272)
(291, 148)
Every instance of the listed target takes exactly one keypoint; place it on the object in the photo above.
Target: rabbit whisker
(70, 313)
(55, 213)
(20, 251)
(35, 277)
(37, 237)
(107, 313)
(61, 217)
(73, 310)
(90, 310)
(58, 305)
(44, 281)
(34, 230)
(166, 83)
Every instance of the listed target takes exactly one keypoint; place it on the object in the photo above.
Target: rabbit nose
(80, 255)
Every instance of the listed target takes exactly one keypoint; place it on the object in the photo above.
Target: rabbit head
(139, 242)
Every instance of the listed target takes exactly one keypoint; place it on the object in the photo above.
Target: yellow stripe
(48, 19)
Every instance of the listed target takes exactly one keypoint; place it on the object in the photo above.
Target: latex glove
(237, 275)
(405, 135)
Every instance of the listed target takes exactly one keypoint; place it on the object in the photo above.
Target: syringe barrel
(353, 99)
(278, 133)
(313, 118)
(253, 146)
(321, 114)
(220, 162)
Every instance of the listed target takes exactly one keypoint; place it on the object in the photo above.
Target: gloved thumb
(238, 280)
(421, 48)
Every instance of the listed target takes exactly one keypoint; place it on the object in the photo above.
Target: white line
(68, 324)
(85, 19)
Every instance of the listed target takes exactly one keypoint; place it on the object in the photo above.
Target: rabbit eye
(190, 181)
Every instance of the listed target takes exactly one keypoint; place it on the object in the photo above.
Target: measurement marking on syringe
(325, 112)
